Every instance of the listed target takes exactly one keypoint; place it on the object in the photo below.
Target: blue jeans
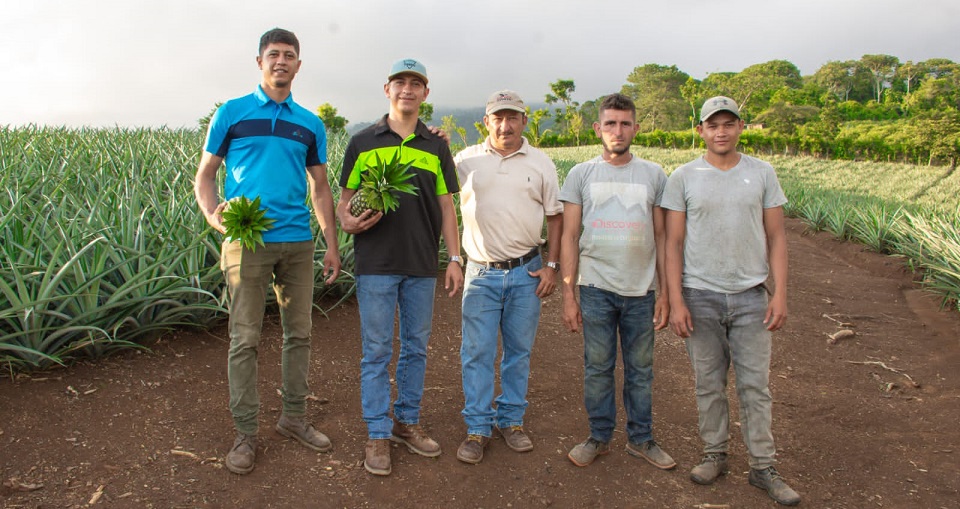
(604, 313)
(504, 301)
(730, 327)
(379, 298)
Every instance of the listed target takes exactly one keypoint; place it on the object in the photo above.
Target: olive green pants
(290, 267)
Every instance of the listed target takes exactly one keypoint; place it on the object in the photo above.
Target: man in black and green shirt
(397, 262)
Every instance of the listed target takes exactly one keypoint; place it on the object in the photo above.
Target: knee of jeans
(598, 359)
(374, 351)
(640, 359)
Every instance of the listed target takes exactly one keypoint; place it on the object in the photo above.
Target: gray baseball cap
(408, 66)
(716, 105)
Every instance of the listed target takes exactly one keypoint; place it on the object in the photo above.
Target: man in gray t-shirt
(725, 236)
(614, 262)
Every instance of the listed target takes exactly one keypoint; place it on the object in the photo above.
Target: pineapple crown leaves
(245, 221)
(381, 182)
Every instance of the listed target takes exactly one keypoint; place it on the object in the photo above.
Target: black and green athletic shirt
(405, 241)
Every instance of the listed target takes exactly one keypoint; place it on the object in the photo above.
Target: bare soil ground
(870, 421)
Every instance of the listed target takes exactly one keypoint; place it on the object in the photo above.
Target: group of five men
(709, 235)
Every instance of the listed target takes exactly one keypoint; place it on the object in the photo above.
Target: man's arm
(322, 200)
(548, 276)
(451, 238)
(205, 190)
(661, 313)
(570, 265)
(776, 315)
(676, 225)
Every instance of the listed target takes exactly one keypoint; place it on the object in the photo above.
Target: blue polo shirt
(267, 147)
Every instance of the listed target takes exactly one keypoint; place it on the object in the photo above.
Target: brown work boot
(471, 450)
(516, 439)
(241, 458)
(300, 430)
(377, 456)
(413, 436)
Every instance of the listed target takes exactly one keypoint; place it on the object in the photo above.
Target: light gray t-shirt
(617, 249)
(726, 246)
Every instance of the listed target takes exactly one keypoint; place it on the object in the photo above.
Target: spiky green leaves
(245, 221)
(380, 184)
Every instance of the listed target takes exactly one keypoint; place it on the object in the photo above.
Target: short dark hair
(279, 35)
(618, 102)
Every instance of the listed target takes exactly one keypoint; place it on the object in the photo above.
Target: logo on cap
(409, 64)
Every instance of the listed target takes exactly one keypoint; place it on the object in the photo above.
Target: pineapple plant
(245, 221)
(379, 185)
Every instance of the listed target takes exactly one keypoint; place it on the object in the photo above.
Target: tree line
(874, 108)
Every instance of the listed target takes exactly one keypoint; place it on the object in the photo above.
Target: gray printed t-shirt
(617, 249)
(725, 248)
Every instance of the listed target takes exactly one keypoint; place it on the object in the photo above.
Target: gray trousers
(730, 327)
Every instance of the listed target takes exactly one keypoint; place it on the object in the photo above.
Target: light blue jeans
(504, 301)
(604, 314)
(729, 327)
(379, 298)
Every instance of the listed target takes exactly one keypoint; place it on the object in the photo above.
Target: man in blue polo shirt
(275, 149)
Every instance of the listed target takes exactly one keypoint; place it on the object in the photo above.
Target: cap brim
(506, 107)
(712, 113)
(412, 73)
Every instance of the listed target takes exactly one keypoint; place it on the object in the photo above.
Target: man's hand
(571, 314)
(661, 313)
(215, 220)
(454, 278)
(440, 132)
(331, 266)
(776, 313)
(354, 225)
(680, 321)
(548, 281)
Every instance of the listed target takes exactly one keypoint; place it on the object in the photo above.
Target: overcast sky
(153, 63)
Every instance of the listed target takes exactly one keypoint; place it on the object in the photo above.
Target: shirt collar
(421, 130)
(263, 98)
(524, 147)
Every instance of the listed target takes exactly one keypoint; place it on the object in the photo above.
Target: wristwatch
(554, 265)
(455, 259)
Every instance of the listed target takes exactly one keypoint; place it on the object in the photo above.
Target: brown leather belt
(514, 263)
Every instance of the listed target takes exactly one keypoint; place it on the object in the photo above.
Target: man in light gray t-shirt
(725, 236)
(726, 246)
(617, 247)
(614, 265)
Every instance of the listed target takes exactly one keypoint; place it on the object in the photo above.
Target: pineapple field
(107, 266)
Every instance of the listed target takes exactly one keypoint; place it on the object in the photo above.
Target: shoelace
(475, 438)
(594, 442)
(713, 458)
(774, 475)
